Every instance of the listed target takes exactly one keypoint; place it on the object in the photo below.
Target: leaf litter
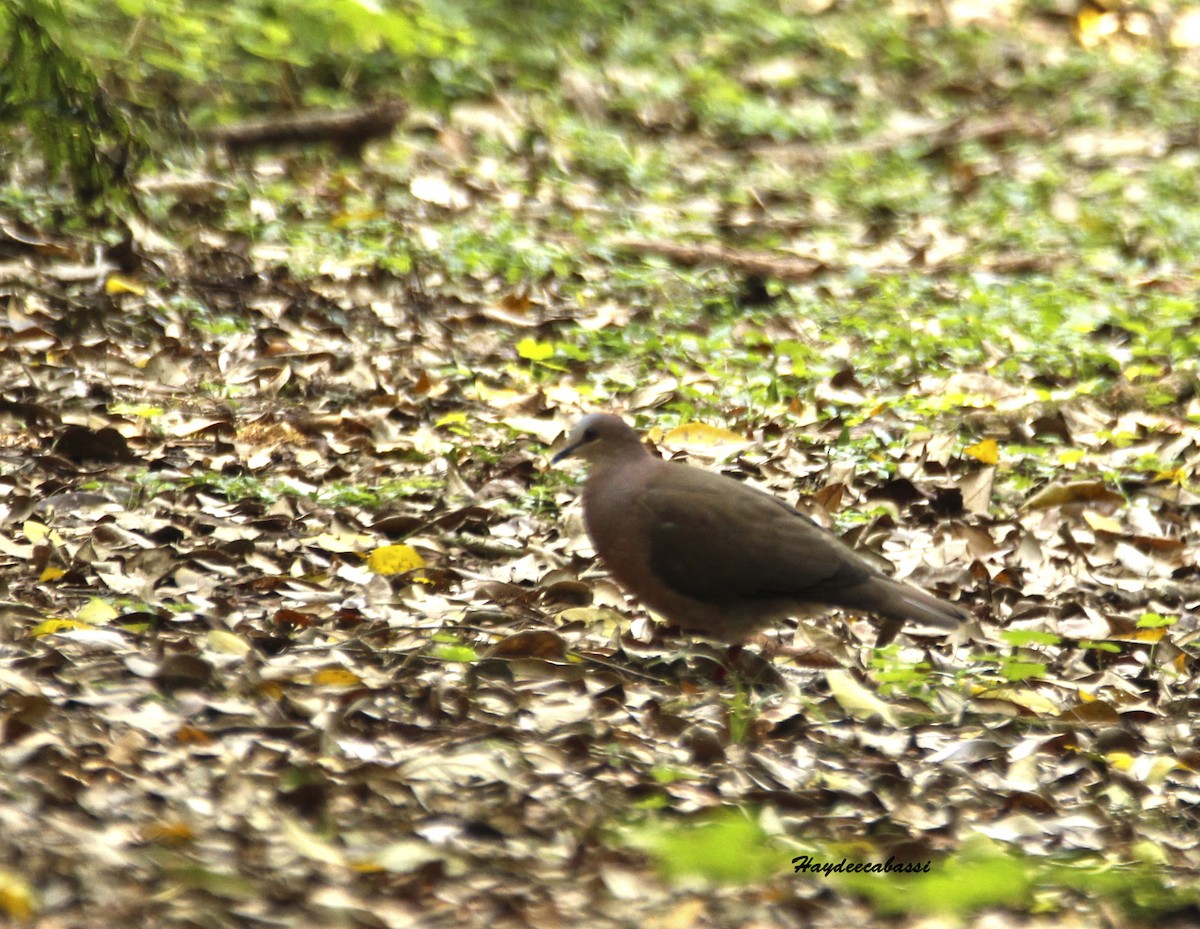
(298, 624)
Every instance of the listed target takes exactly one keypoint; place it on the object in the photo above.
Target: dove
(717, 557)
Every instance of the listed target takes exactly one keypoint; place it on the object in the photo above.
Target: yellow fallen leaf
(855, 699)
(96, 612)
(16, 896)
(702, 435)
(394, 559)
(116, 284)
(533, 350)
(499, 397)
(336, 677)
(51, 573)
(1072, 492)
(452, 419)
(34, 531)
(1095, 25)
(227, 643)
(272, 690)
(606, 620)
(1157, 769)
(1178, 476)
(1029, 699)
(1149, 769)
(311, 846)
(350, 218)
(51, 626)
(1134, 372)
(172, 833)
(1140, 635)
(1102, 523)
(141, 410)
(986, 451)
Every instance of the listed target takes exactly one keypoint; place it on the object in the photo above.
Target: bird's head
(600, 437)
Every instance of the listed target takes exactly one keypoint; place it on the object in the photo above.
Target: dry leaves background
(297, 625)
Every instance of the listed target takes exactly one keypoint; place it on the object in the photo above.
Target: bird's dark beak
(564, 453)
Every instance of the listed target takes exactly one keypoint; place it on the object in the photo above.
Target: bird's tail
(907, 603)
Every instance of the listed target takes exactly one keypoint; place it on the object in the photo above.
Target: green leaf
(727, 847)
(1019, 637)
(981, 876)
(1155, 621)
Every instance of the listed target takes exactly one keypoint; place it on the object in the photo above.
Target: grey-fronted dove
(717, 557)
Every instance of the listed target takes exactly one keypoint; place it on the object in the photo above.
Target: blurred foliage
(210, 58)
(92, 80)
(727, 846)
(47, 85)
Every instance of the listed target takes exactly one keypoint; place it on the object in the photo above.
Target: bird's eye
(590, 434)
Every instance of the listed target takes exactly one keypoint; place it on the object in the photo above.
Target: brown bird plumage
(717, 557)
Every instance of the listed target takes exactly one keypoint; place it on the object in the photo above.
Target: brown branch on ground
(793, 269)
(940, 137)
(760, 264)
(348, 130)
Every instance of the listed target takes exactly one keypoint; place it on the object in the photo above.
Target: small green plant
(725, 847)
(911, 678)
(450, 648)
(983, 874)
(741, 716)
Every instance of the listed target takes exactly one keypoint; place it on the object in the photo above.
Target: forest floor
(298, 625)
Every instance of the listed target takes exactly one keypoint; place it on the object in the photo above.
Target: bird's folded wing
(713, 540)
